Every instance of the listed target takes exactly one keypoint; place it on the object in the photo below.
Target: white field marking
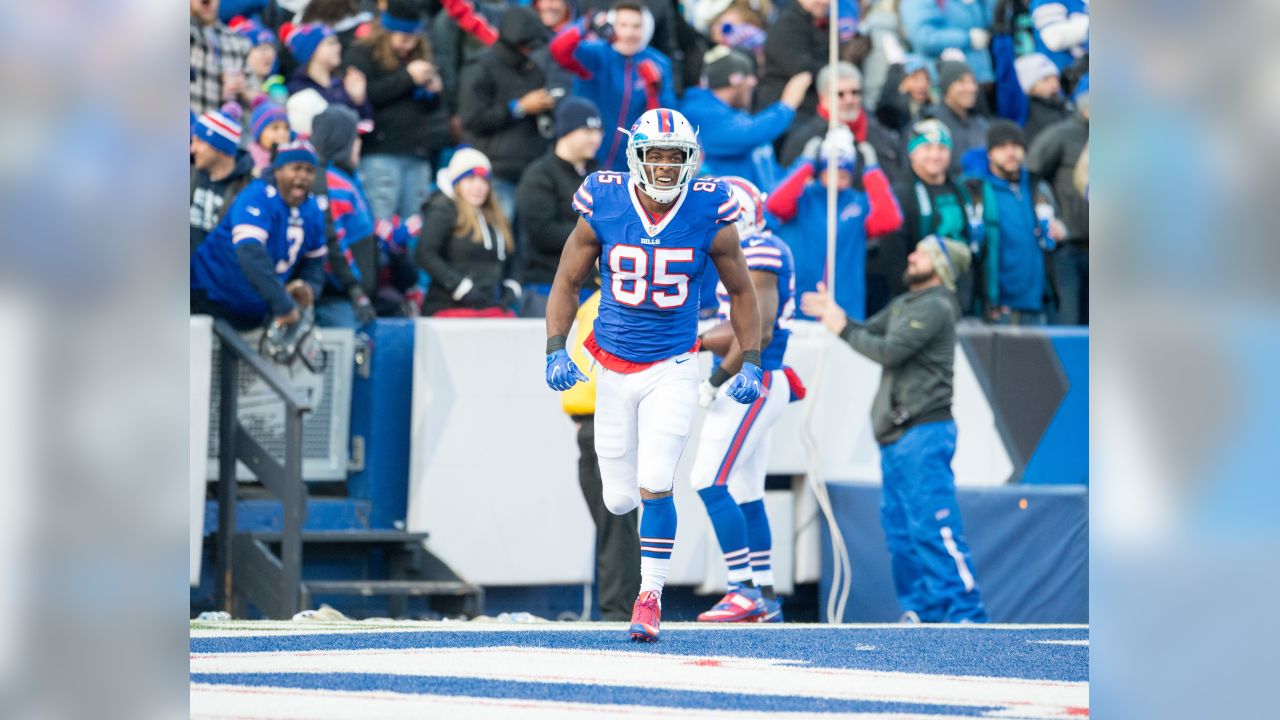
(747, 676)
(227, 702)
(1082, 643)
(249, 628)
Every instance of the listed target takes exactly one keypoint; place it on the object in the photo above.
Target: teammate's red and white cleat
(646, 616)
(743, 604)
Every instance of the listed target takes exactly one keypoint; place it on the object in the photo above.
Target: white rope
(842, 571)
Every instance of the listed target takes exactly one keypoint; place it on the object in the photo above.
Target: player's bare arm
(744, 310)
(580, 254)
(718, 338)
(766, 286)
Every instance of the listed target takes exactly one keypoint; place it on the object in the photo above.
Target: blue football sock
(731, 532)
(657, 539)
(761, 542)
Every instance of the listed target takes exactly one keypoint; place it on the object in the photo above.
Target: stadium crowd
(443, 142)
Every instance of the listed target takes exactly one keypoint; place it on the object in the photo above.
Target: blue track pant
(932, 572)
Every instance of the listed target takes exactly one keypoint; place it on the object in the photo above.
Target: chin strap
(644, 188)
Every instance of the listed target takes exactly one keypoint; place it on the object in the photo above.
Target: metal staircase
(264, 569)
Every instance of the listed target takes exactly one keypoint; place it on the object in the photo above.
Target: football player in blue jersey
(265, 258)
(733, 448)
(652, 231)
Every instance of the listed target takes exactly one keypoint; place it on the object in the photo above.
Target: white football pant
(643, 422)
(733, 447)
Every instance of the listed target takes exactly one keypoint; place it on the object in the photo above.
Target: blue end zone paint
(949, 651)
(1062, 455)
(578, 693)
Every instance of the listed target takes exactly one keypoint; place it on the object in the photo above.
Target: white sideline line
(1083, 643)
(249, 628)
(227, 702)
(743, 676)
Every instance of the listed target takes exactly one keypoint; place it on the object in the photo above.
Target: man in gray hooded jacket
(914, 340)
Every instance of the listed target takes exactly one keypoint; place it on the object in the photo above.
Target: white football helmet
(661, 128)
(751, 220)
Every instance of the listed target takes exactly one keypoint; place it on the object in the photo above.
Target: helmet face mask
(661, 129)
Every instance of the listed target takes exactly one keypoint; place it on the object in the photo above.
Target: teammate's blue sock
(657, 538)
(761, 542)
(731, 532)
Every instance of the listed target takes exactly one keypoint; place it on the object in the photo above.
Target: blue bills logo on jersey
(651, 266)
(768, 253)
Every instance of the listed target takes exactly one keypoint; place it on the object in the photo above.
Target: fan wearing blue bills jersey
(652, 231)
(265, 258)
(733, 447)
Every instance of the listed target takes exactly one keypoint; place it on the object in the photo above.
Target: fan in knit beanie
(1032, 68)
(949, 72)
(950, 258)
(304, 39)
(218, 130)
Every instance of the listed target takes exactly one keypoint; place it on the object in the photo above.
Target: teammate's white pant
(643, 421)
(733, 447)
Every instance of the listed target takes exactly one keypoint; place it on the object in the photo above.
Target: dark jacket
(914, 338)
(894, 109)
(406, 119)
(489, 88)
(450, 258)
(968, 132)
(544, 207)
(453, 48)
(210, 198)
(1041, 113)
(889, 149)
(1053, 156)
(794, 44)
(888, 259)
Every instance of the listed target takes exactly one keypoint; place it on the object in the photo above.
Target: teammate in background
(651, 230)
(733, 449)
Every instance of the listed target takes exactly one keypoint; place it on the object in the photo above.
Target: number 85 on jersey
(659, 275)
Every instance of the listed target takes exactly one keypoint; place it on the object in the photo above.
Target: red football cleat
(645, 617)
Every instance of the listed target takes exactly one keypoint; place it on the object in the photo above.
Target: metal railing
(248, 568)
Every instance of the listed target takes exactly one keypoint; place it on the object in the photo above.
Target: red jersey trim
(617, 364)
(653, 219)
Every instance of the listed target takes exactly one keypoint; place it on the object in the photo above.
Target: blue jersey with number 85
(651, 266)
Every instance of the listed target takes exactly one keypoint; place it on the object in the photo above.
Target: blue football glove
(748, 385)
(562, 373)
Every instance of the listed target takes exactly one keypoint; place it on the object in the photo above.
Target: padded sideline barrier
(1031, 563)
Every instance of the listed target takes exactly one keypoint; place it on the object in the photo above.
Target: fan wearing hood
(349, 231)
(504, 103)
(617, 70)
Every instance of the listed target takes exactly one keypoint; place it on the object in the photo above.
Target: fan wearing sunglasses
(875, 142)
